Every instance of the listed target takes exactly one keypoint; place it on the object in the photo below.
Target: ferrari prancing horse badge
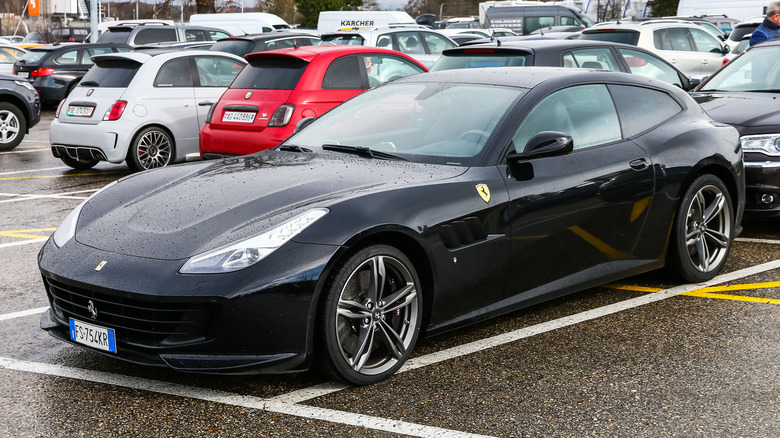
(484, 192)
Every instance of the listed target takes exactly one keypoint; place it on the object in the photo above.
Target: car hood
(181, 211)
(742, 110)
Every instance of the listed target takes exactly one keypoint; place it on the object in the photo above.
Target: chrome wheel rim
(708, 229)
(377, 314)
(154, 150)
(9, 126)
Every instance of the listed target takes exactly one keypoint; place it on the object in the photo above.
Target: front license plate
(92, 335)
(80, 111)
(238, 116)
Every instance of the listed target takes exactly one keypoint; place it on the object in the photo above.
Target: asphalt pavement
(642, 357)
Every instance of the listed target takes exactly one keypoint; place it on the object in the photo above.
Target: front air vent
(462, 232)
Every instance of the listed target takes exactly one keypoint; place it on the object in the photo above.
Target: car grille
(142, 322)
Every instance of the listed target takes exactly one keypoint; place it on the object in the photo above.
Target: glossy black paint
(554, 224)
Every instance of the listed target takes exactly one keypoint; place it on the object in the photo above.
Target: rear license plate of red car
(80, 111)
(238, 116)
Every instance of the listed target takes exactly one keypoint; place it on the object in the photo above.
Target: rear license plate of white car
(80, 111)
(92, 335)
(238, 116)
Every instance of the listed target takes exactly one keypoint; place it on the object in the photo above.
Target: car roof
(535, 45)
(308, 53)
(268, 36)
(638, 25)
(141, 57)
(66, 46)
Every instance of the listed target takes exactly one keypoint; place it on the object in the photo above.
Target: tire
(367, 333)
(703, 230)
(151, 148)
(78, 163)
(13, 126)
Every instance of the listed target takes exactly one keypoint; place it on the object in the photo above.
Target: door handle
(205, 103)
(639, 164)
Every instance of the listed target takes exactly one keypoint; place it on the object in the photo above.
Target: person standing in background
(770, 28)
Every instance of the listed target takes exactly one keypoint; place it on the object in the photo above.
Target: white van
(741, 10)
(332, 21)
(240, 23)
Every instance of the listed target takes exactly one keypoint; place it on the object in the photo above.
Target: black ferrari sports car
(425, 204)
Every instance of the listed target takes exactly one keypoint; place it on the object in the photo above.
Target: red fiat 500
(280, 87)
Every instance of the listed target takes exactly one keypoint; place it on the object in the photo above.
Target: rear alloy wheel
(371, 318)
(152, 148)
(703, 230)
(12, 126)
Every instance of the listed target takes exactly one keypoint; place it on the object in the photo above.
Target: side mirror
(545, 144)
(304, 122)
(726, 49)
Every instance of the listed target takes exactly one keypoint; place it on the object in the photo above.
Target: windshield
(431, 123)
(758, 69)
(113, 73)
(614, 36)
(477, 58)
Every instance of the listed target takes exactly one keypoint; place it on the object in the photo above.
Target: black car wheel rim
(9, 127)
(708, 228)
(376, 316)
(154, 150)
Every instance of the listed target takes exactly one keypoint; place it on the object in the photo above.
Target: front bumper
(106, 141)
(762, 191)
(256, 320)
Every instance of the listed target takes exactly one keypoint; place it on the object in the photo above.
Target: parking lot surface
(642, 357)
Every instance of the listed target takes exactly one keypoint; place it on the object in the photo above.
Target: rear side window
(216, 71)
(70, 57)
(115, 36)
(382, 68)
(110, 74)
(436, 43)
(89, 53)
(271, 73)
(640, 109)
(154, 35)
(34, 56)
(236, 47)
(615, 36)
(410, 43)
(598, 58)
(348, 40)
(478, 59)
(531, 24)
(649, 66)
(343, 74)
(196, 35)
(675, 38)
(175, 73)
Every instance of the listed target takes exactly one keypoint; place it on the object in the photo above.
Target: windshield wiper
(362, 151)
(293, 148)
(89, 84)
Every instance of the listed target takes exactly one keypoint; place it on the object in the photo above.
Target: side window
(175, 73)
(531, 24)
(70, 57)
(343, 74)
(649, 66)
(155, 35)
(410, 43)
(642, 108)
(382, 68)
(384, 42)
(195, 35)
(705, 42)
(598, 58)
(569, 21)
(89, 53)
(216, 71)
(217, 35)
(437, 43)
(585, 112)
(673, 38)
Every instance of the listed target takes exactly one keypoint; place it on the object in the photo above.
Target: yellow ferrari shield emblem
(484, 192)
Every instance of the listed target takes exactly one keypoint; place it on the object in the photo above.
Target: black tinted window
(236, 47)
(115, 36)
(640, 109)
(176, 73)
(343, 74)
(625, 37)
(111, 74)
(147, 36)
(271, 73)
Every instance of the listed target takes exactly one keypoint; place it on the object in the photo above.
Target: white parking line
(23, 313)
(26, 151)
(35, 170)
(310, 412)
(22, 242)
(749, 240)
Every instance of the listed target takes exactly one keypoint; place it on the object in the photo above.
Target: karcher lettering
(357, 23)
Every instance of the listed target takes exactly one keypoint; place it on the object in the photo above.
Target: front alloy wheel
(12, 126)
(371, 317)
(703, 230)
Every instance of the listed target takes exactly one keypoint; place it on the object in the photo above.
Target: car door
(645, 64)
(709, 50)
(173, 103)
(213, 75)
(573, 214)
(675, 45)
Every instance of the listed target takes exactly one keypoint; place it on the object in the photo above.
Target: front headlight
(67, 228)
(766, 144)
(240, 255)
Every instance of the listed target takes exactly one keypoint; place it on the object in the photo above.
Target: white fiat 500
(145, 108)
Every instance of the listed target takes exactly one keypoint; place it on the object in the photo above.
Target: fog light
(767, 198)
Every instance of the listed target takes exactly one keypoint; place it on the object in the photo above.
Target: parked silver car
(145, 108)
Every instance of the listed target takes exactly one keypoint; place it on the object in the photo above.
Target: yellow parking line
(61, 176)
(709, 292)
(21, 234)
(34, 147)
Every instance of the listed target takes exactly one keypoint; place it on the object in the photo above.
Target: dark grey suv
(20, 110)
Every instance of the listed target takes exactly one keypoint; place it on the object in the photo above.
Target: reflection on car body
(422, 205)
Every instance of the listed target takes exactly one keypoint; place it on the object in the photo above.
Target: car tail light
(281, 116)
(41, 72)
(725, 60)
(59, 108)
(116, 110)
(479, 51)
